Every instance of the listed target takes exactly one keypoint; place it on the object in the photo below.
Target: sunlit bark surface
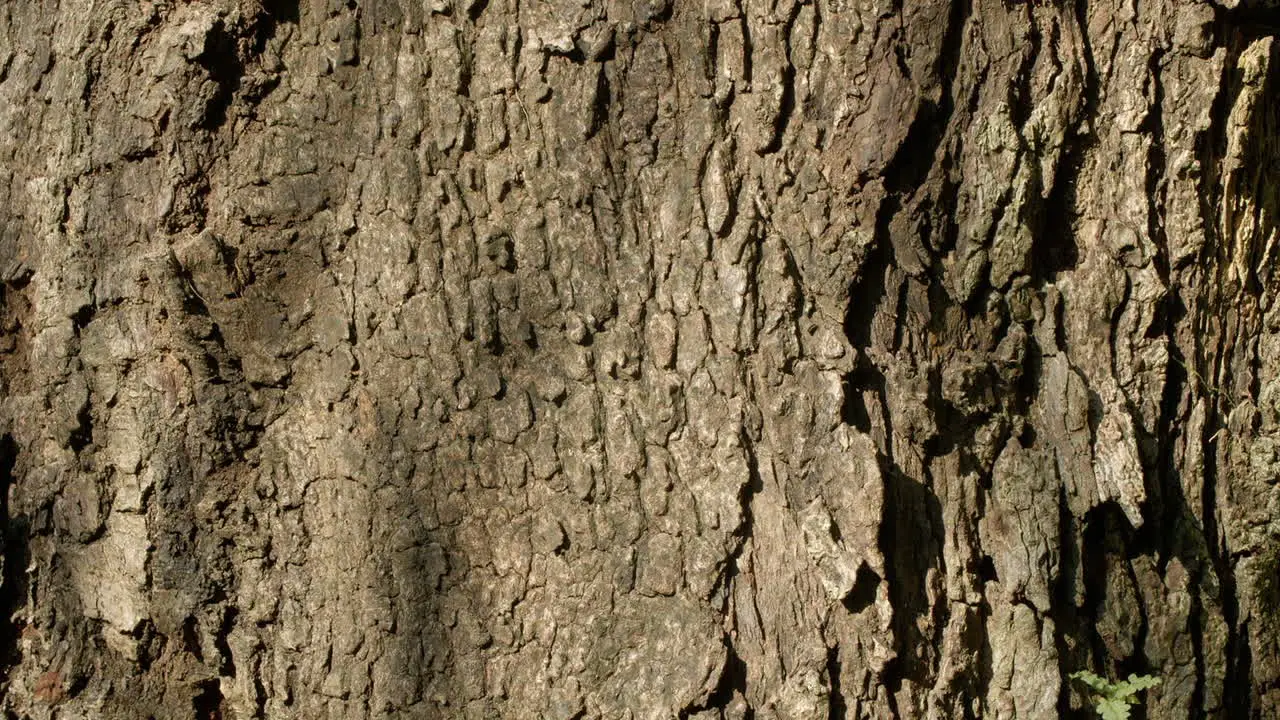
(709, 360)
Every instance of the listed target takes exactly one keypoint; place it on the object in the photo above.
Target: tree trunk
(488, 359)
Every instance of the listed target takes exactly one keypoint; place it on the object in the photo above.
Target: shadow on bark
(13, 544)
(911, 539)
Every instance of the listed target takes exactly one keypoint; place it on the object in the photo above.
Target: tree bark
(494, 359)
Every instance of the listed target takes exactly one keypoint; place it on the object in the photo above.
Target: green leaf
(1093, 681)
(1113, 699)
(1113, 709)
(1135, 684)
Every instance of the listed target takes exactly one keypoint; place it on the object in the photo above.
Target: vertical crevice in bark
(732, 685)
(729, 691)
(865, 297)
(1196, 628)
(1239, 691)
(221, 59)
(1072, 652)
(911, 543)
(1054, 247)
(1021, 101)
(1237, 688)
(1157, 162)
(1097, 543)
(207, 702)
(1163, 533)
(1251, 19)
(13, 560)
(81, 436)
(1173, 522)
(1137, 662)
(836, 706)
(915, 156)
(1215, 367)
(912, 519)
(280, 11)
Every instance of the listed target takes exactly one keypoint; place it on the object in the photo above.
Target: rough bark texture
(759, 359)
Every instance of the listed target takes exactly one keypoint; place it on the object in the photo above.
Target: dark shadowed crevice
(987, 570)
(732, 684)
(1028, 383)
(865, 585)
(281, 11)
(865, 299)
(207, 703)
(948, 232)
(13, 542)
(891, 678)
(1053, 246)
(1211, 149)
(225, 58)
(746, 495)
(1238, 692)
(1106, 533)
(476, 9)
(274, 14)
(865, 295)
(1250, 19)
(226, 659)
(1020, 101)
(600, 105)
(985, 658)
(1167, 525)
(190, 639)
(836, 706)
(911, 163)
(1195, 628)
(1153, 126)
(221, 60)
(733, 678)
(1066, 621)
(910, 540)
(82, 317)
(81, 435)
(865, 377)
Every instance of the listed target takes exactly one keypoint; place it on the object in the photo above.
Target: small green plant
(1112, 700)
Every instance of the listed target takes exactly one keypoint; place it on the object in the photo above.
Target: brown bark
(701, 360)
